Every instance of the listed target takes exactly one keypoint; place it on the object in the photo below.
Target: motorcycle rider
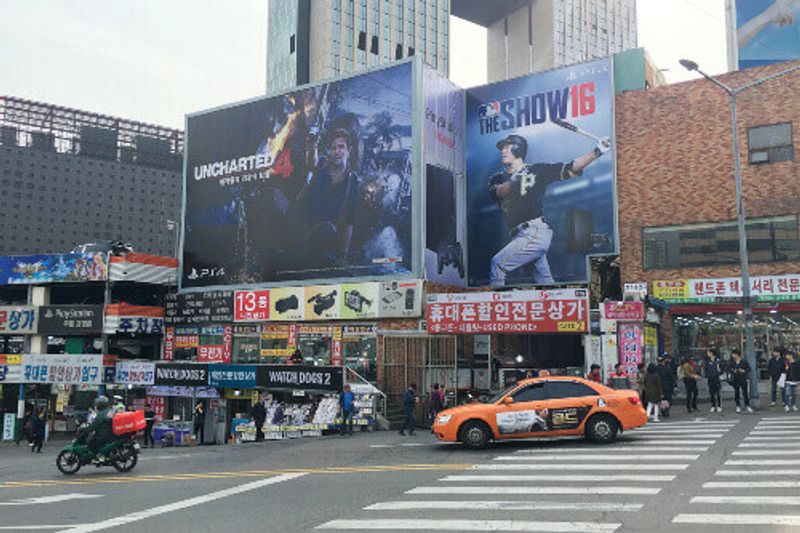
(100, 428)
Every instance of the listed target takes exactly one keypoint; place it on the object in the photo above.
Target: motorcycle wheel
(125, 458)
(68, 462)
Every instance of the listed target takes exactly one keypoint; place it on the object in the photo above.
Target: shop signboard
(9, 427)
(211, 353)
(169, 343)
(181, 375)
(10, 368)
(70, 319)
(301, 377)
(251, 306)
(762, 288)
(76, 369)
(159, 406)
(183, 341)
(359, 300)
(232, 376)
(286, 304)
(252, 213)
(540, 170)
(623, 310)
(19, 320)
(53, 268)
(336, 346)
(276, 332)
(135, 373)
(203, 392)
(400, 299)
(631, 346)
(763, 32)
(196, 308)
(361, 330)
(538, 311)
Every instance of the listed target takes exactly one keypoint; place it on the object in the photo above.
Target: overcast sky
(156, 60)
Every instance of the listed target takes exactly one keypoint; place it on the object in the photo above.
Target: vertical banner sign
(159, 406)
(169, 343)
(631, 353)
(291, 339)
(540, 176)
(336, 346)
(251, 306)
(227, 343)
(9, 422)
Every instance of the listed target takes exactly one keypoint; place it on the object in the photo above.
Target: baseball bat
(572, 127)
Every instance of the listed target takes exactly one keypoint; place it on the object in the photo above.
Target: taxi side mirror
(508, 400)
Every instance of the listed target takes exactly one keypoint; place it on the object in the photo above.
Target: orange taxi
(544, 407)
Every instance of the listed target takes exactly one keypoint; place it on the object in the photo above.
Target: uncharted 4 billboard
(311, 184)
(766, 31)
(540, 176)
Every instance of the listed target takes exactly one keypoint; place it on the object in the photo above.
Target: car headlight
(444, 419)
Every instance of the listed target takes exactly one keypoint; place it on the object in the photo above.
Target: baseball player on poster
(519, 190)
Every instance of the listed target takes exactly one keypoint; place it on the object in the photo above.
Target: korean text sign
(18, 320)
(546, 311)
(135, 373)
(63, 369)
(251, 306)
(631, 353)
(762, 288)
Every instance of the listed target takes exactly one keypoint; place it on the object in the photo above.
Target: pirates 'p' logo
(526, 183)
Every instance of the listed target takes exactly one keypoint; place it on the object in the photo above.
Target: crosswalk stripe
(781, 423)
(763, 462)
(738, 519)
(559, 466)
(751, 485)
(765, 445)
(677, 432)
(768, 439)
(599, 457)
(626, 440)
(643, 448)
(506, 505)
(766, 452)
(535, 490)
(784, 417)
(699, 423)
(562, 477)
(757, 473)
(688, 436)
(467, 525)
(771, 433)
(749, 500)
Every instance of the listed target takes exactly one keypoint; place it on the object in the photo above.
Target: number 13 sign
(251, 306)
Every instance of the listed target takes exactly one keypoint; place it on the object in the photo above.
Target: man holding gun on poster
(519, 191)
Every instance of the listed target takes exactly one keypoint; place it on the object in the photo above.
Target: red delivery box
(128, 422)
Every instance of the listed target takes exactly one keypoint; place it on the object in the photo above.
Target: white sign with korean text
(82, 369)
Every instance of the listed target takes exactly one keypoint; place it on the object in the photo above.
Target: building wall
(51, 201)
(674, 164)
(282, 63)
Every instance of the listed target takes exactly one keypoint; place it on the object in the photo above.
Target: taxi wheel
(475, 435)
(602, 429)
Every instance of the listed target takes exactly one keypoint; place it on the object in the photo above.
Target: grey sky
(155, 60)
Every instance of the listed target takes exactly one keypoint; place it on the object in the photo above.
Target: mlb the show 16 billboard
(311, 184)
(540, 176)
(763, 32)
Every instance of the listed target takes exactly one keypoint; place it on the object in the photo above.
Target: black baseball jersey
(526, 198)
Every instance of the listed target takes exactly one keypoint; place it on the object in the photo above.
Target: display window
(361, 356)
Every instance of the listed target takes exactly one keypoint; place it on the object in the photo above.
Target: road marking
(764, 445)
(757, 473)
(38, 527)
(783, 417)
(763, 462)
(599, 457)
(563, 477)
(751, 485)
(693, 436)
(468, 525)
(696, 421)
(766, 439)
(591, 466)
(52, 499)
(749, 500)
(738, 519)
(763, 433)
(673, 431)
(534, 490)
(183, 504)
(667, 441)
(510, 505)
(767, 452)
(642, 448)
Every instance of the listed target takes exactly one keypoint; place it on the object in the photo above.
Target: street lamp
(732, 92)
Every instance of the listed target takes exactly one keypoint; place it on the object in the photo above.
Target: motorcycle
(121, 452)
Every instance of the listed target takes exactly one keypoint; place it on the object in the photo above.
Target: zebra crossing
(553, 486)
(757, 484)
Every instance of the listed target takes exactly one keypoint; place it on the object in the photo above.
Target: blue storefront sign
(232, 376)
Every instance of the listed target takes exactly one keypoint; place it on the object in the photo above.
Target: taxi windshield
(496, 398)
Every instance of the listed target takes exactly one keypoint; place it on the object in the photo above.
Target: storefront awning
(731, 308)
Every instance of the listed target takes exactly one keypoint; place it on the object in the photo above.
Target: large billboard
(540, 176)
(53, 268)
(765, 31)
(311, 184)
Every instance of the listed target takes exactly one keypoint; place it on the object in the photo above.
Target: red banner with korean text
(545, 311)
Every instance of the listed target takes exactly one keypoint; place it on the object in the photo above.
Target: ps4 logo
(206, 273)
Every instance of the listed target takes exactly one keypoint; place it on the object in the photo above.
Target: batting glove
(603, 146)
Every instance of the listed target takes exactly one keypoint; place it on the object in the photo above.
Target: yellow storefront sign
(671, 289)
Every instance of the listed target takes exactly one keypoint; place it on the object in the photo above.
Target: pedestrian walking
(619, 378)
(435, 403)
(713, 376)
(652, 392)
(38, 424)
(640, 372)
(594, 374)
(259, 414)
(777, 375)
(347, 404)
(149, 421)
(667, 384)
(199, 423)
(690, 377)
(792, 380)
(409, 405)
(738, 370)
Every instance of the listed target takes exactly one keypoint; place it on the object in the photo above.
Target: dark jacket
(652, 387)
(37, 426)
(259, 414)
(713, 369)
(793, 374)
(738, 371)
(665, 375)
(409, 400)
(777, 366)
(101, 425)
(435, 404)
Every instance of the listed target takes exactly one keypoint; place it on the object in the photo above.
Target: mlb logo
(489, 110)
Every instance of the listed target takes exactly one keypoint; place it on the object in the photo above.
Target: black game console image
(450, 254)
(441, 225)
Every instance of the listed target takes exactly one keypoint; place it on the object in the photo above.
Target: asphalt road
(723, 472)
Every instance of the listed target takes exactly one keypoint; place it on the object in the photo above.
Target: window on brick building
(769, 240)
(770, 144)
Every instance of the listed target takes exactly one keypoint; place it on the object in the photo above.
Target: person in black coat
(667, 382)
(713, 375)
(259, 414)
(38, 424)
(776, 367)
(738, 370)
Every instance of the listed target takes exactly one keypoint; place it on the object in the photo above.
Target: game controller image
(355, 301)
(450, 254)
(323, 303)
(287, 304)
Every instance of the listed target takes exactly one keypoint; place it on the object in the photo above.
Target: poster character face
(340, 151)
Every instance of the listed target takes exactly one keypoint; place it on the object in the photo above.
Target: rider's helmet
(101, 402)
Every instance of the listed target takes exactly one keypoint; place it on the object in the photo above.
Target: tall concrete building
(308, 41)
(527, 36)
(70, 177)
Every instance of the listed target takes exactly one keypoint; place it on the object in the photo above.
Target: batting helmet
(519, 146)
